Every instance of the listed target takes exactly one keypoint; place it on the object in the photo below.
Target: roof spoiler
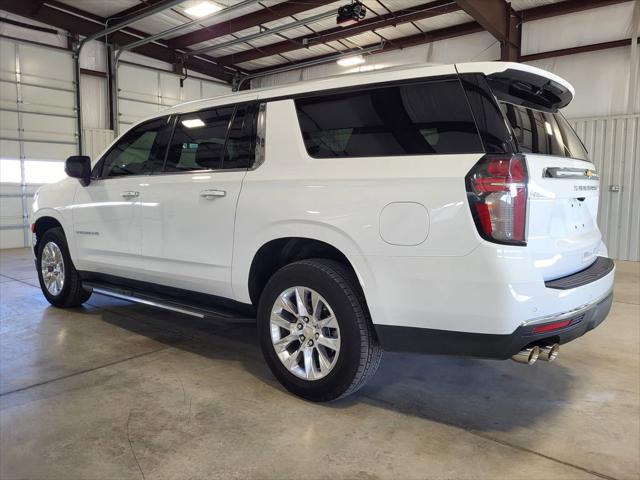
(524, 85)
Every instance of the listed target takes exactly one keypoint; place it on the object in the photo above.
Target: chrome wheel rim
(52, 268)
(305, 333)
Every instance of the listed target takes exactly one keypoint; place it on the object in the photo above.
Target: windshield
(544, 133)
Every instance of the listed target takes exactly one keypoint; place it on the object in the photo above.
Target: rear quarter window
(429, 117)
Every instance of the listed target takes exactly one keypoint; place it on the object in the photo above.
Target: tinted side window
(140, 150)
(199, 139)
(240, 148)
(431, 117)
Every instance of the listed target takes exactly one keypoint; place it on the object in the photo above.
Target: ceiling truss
(494, 16)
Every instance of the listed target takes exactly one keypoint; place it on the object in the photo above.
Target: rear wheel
(315, 330)
(59, 280)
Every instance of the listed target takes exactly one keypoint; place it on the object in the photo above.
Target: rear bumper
(446, 342)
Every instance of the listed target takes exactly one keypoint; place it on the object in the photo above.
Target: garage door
(144, 91)
(37, 129)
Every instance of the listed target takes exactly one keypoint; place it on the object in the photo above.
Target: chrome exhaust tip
(528, 355)
(549, 353)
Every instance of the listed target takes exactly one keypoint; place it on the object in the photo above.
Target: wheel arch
(45, 220)
(278, 252)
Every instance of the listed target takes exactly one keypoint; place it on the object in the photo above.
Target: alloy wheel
(305, 333)
(52, 268)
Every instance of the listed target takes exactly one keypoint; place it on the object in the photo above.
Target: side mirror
(79, 166)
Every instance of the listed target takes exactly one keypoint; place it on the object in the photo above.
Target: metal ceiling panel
(443, 21)
(100, 7)
(366, 38)
(525, 4)
(305, 53)
(176, 16)
(263, 62)
(402, 30)
(160, 22)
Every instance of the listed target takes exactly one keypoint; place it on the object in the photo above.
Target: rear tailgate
(562, 235)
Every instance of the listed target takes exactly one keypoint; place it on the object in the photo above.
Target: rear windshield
(543, 132)
(430, 117)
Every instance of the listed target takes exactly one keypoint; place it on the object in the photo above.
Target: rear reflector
(497, 192)
(551, 326)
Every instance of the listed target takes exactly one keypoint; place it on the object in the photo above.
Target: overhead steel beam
(254, 19)
(264, 33)
(500, 20)
(594, 47)
(563, 8)
(419, 12)
(182, 26)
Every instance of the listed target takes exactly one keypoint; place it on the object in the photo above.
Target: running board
(164, 303)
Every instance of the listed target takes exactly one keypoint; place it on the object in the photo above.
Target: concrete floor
(115, 390)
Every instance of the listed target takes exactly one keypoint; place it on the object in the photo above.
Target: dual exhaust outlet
(532, 354)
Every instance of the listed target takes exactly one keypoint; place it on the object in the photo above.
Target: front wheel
(315, 330)
(59, 280)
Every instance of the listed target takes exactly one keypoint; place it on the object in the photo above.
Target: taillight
(497, 192)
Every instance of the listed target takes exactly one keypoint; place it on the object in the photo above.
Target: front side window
(430, 117)
(140, 151)
(199, 140)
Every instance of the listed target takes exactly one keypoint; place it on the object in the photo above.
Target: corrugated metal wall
(614, 146)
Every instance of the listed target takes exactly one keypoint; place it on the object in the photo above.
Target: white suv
(439, 209)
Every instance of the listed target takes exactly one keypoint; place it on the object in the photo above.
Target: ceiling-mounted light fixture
(351, 61)
(201, 9)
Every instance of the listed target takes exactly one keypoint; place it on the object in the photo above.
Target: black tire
(72, 294)
(360, 352)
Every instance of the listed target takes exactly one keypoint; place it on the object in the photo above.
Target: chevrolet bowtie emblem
(589, 173)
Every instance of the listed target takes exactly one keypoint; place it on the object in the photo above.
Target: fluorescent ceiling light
(201, 9)
(351, 61)
(193, 123)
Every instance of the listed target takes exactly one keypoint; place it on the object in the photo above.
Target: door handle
(130, 194)
(212, 194)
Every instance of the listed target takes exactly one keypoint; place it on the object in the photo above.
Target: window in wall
(199, 139)
(430, 117)
(43, 171)
(140, 151)
(10, 171)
